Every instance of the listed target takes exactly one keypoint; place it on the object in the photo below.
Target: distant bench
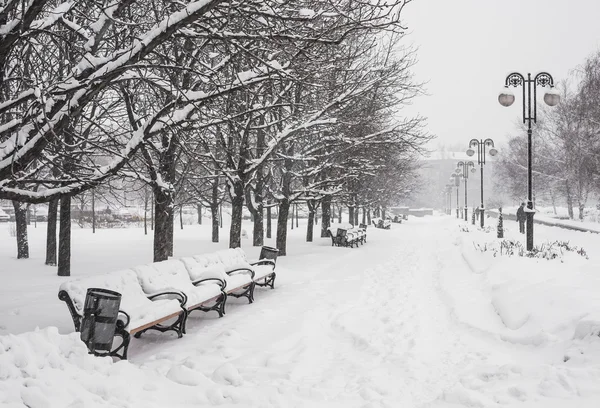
(160, 296)
(381, 223)
(348, 236)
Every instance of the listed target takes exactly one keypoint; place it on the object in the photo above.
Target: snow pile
(537, 299)
(44, 369)
(544, 317)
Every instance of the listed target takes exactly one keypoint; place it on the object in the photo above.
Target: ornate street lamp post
(463, 167)
(481, 145)
(455, 178)
(551, 98)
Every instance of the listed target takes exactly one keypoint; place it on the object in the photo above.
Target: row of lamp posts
(507, 98)
(462, 171)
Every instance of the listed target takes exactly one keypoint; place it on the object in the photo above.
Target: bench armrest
(264, 262)
(173, 293)
(242, 270)
(123, 319)
(221, 282)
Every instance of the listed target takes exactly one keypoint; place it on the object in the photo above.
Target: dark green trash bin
(99, 321)
(268, 253)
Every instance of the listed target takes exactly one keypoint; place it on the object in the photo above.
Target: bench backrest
(341, 232)
(233, 258)
(125, 282)
(204, 266)
(163, 275)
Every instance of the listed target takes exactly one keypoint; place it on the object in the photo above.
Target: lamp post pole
(463, 167)
(457, 205)
(551, 98)
(455, 177)
(481, 145)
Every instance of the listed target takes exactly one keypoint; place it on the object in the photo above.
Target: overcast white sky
(468, 47)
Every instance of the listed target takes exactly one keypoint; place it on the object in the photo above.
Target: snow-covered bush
(547, 250)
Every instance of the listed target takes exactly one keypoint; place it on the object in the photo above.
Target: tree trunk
(256, 209)
(258, 230)
(339, 214)
(291, 218)
(268, 220)
(171, 228)
(383, 213)
(181, 216)
(296, 208)
(214, 217)
(581, 210)
(163, 224)
(93, 212)
(281, 240)
(364, 215)
(64, 238)
(152, 214)
(351, 214)
(146, 213)
(21, 224)
(51, 233)
(311, 220)
(199, 209)
(237, 206)
(569, 200)
(368, 216)
(325, 216)
(356, 208)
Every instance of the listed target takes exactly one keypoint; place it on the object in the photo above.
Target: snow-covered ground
(417, 317)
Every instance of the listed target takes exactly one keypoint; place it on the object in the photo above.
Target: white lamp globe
(552, 97)
(506, 97)
(470, 152)
(493, 152)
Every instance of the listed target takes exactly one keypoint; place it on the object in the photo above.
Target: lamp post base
(529, 222)
(466, 212)
(482, 216)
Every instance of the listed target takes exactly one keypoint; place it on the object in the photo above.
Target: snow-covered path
(370, 326)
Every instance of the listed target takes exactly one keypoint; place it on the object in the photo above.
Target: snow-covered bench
(160, 296)
(139, 311)
(381, 223)
(231, 266)
(348, 236)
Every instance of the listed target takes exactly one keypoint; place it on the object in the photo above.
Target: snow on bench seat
(210, 266)
(173, 274)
